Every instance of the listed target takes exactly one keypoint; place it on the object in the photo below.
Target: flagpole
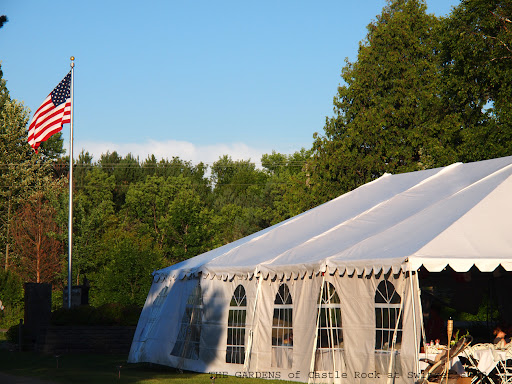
(70, 226)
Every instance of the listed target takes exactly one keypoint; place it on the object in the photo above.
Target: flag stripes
(52, 114)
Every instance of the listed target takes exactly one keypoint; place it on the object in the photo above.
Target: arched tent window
(155, 311)
(387, 310)
(187, 342)
(329, 334)
(282, 329)
(235, 346)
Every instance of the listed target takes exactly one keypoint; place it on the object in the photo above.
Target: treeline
(132, 217)
(424, 92)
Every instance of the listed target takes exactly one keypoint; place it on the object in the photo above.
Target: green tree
(174, 167)
(187, 223)
(172, 213)
(109, 161)
(287, 185)
(146, 203)
(128, 171)
(236, 181)
(477, 64)
(238, 189)
(125, 277)
(125, 171)
(52, 149)
(82, 167)
(93, 216)
(4, 92)
(388, 113)
(11, 295)
(150, 166)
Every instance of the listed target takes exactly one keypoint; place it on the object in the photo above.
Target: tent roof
(459, 215)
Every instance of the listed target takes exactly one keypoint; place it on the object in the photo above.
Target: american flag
(52, 114)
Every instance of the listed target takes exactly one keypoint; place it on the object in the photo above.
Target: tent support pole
(415, 327)
(331, 335)
(312, 364)
(392, 358)
(248, 350)
(422, 325)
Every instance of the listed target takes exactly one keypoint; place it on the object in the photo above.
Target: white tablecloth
(324, 360)
(282, 357)
(488, 358)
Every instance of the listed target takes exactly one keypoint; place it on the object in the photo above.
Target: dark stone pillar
(38, 309)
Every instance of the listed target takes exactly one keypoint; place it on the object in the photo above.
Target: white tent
(340, 278)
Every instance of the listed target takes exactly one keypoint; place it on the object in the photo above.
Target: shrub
(130, 315)
(11, 315)
(13, 334)
(111, 313)
(82, 315)
(107, 314)
(11, 294)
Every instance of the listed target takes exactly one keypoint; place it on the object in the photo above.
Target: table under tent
(333, 294)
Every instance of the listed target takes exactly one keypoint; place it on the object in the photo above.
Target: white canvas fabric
(458, 215)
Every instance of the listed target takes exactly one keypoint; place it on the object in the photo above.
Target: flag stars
(62, 92)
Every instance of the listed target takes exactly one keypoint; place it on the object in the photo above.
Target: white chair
(481, 346)
(504, 366)
(470, 361)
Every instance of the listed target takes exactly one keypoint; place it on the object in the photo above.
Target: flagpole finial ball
(72, 58)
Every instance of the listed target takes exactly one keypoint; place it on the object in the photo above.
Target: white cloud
(187, 151)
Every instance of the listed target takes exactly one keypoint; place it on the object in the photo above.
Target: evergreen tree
(239, 199)
(93, 216)
(172, 212)
(4, 93)
(288, 178)
(388, 113)
(477, 62)
(125, 170)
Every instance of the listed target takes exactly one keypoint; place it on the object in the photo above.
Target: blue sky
(194, 79)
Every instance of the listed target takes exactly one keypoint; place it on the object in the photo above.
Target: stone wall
(85, 339)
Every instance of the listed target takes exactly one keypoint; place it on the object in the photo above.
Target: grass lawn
(88, 368)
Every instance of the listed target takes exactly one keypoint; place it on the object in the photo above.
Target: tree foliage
(93, 207)
(389, 116)
(477, 68)
(35, 233)
(172, 213)
(11, 295)
(125, 276)
(288, 184)
(22, 172)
